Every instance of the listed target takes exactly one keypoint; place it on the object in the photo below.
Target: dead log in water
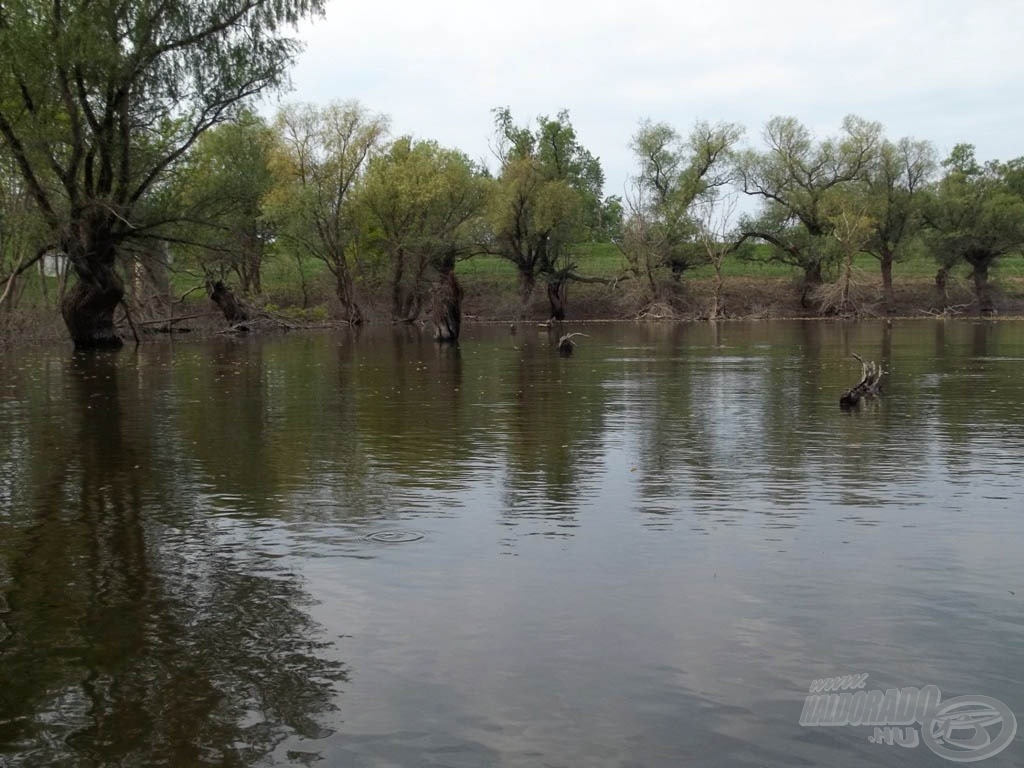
(869, 386)
(566, 345)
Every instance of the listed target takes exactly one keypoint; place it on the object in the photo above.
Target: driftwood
(566, 345)
(869, 386)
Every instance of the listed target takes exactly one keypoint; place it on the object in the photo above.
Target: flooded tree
(420, 208)
(99, 101)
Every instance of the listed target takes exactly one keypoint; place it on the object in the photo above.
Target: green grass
(281, 283)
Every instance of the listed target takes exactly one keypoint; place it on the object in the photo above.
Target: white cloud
(937, 69)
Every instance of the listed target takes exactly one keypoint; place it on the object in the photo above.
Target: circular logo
(958, 729)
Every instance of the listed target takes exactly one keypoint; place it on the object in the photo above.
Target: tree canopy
(99, 99)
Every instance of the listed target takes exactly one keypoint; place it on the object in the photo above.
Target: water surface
(366, 550)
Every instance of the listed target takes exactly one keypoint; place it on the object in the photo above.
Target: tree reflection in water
(136, 636)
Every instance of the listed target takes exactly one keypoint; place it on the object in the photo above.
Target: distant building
(54, 264)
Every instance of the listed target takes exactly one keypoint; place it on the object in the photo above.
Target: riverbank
(488, 299)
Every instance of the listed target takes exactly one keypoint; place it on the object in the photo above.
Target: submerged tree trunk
(88, 308)
(869, 386)
(446, 309)
(234, 311)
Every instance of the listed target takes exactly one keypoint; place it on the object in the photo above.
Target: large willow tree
(101, 99)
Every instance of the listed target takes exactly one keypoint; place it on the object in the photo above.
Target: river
(362, 549)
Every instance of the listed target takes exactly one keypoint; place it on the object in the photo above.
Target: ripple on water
(394, 537)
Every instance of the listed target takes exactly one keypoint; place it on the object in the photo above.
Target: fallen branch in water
(170, 320)
(869, 385)
(566, 344)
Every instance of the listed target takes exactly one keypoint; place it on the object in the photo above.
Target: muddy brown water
(366, 550)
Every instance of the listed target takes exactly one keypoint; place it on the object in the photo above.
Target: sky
(946, 71)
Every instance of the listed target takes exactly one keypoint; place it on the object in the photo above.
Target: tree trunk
(887, 290)
(557, 290)
(869, 385)
(446, 309)
(526, 283)
(234, 311)
(812, 279)
(88, 308)
(981, 287)
(399, 308)
(716, 305)
(349, 307)
(941, 283)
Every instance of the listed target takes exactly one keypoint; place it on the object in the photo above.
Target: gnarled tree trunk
(234, 311)
(446, 309)
(349, 307)
(557, 290)
(869, 386)
(88, 308)
(812, 279)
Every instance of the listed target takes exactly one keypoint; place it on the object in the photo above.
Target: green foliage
(546, 200)
(420, 206)
(675, 177)
(895, 182)
(976, 212)
(321, 155)
(100, 99)
(23, 231)
(798, 179)
(220, 192)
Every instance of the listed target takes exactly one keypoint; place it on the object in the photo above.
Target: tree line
(127, 136)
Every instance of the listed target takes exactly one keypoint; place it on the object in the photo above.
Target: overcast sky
(947, 71)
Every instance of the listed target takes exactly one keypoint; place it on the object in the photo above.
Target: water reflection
(365, 549)
(137, 637)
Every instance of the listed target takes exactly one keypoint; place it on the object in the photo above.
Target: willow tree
(421, 207)
(221, 191)
(101, 99)
(547, 199)
(896, 181)
(795, 178)
(976, 215)
(677, 179)
(321, 157)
